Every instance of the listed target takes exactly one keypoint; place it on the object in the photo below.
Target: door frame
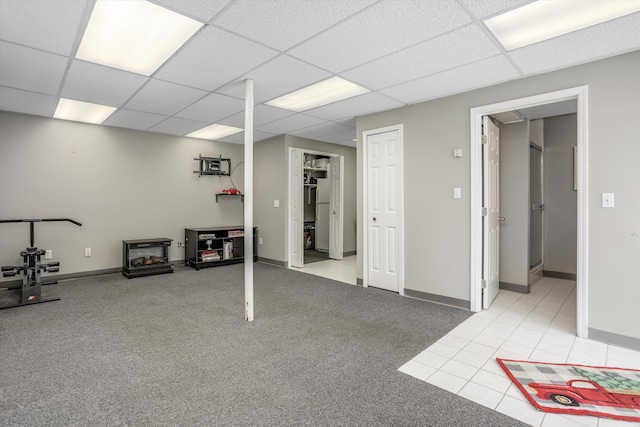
(289, 227)
(580, 94)
(365, 204)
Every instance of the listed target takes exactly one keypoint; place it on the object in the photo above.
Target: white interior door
(491, 221)
(384, 206)
(296, 209)
(336, 211)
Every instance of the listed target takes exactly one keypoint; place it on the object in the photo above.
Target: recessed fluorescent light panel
(78, 111)
(322, 93)
(134, 35)
(545, 19)
(215, 131)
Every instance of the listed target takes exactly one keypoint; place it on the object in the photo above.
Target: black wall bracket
(213, 166)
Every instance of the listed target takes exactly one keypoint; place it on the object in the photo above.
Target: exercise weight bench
(31, 268)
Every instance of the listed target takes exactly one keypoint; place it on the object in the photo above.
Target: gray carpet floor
(174, 350)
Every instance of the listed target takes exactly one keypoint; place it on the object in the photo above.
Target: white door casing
(336, 211)
(580, 94)
(491, 202)
(296, 209)
(383, 241)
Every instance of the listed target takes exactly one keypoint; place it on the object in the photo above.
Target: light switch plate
(457, 193)
(607, 200)
(276, 203)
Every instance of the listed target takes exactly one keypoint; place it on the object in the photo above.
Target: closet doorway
(316, 211)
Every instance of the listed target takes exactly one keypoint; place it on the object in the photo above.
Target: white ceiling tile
(49, 25)
(164, 98)
(238, 138)
(99, 84)
(178, 126)
(133, 119)
(380, 30)
(30, 69)
(294, 20)
(25, 102)
(214, 58)
(342, 138)
(262, 114)
(600, 41)
(357, 106)
(351, 122)
(288, 124)
(484, 8)
(281, 75)
(468, 77)
(203, 10)
(212, 108)
(470, 44)
(324, 129)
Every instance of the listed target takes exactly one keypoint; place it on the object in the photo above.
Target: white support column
(248, 201)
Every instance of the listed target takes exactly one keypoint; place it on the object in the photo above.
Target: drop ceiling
(404, 51)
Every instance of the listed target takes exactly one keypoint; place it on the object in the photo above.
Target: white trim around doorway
(580, 94)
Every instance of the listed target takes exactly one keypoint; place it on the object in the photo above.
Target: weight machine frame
(32, 267)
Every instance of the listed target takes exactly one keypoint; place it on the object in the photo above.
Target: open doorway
(316, 211)
(478, 255)
(538, 200)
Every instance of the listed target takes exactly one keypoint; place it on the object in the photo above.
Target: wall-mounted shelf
(213, 166)
(230, 195)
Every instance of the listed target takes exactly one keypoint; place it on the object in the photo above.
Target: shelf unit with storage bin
(216, 246)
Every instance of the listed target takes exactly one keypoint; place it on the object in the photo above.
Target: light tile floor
(341, 270)
(537, 326)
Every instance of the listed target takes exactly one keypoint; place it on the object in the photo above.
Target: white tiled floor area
(343, 270)
(537, 326)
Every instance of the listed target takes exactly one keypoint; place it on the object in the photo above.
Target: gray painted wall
(536, 132)
(120, 184)
(270, 183)
(560, 235)
(514, 203)
(437, 238)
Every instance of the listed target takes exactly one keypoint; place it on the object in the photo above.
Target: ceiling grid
(403, 51)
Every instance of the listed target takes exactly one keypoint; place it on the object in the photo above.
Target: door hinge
(484, 284)
(484, 211)
(483, 139)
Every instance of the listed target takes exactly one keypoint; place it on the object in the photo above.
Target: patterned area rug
(578, 389)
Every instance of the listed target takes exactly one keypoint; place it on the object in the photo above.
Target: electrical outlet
(276, 203)
(48, 254)
(87, 251)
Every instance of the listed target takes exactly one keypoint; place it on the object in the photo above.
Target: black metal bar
(41, 220)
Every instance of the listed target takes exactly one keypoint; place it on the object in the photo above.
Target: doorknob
(501, 219)
(374, 219)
